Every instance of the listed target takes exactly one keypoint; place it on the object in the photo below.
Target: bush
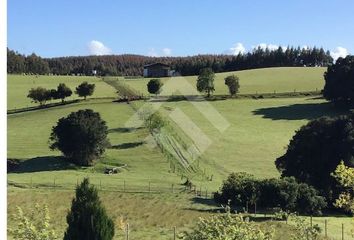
(81, 137)
(232, 82)
(227, 226)
(242, 189)
(154, 86)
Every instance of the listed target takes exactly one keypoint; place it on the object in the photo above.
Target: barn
(157, 70)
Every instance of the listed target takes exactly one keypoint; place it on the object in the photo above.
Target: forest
(132, 65)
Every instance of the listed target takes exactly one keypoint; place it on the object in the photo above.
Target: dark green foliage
(233, 83)
(154, 86)
(40, 95)
(285, 193)
(340, 80)
(132, 65)
(205, 81)
(315, 151)
(81, 137)
(85, 89)
(87, 219)
(63, 91)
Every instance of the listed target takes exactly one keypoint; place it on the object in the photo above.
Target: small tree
(205, 81)
(81, 137)
(232, 82)
(63, 92)
(39, 95)
(154, 86)
(85, 89)
(35, 226)
(87, 219)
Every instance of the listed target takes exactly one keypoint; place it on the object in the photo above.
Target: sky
(177, 28)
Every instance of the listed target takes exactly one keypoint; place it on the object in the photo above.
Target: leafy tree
(63, 91)
(340, 80)
(316, 149)
(39, 95)
(344, 175)
(85, 89)
(154, 86)
(87, 219)
(227, 226)
(81, 137)
(232, 82)
(35, 226)
(205, 81)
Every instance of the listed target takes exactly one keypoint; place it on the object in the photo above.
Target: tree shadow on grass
(127, 145)
(307, 111)
(123, 130)
(46, 163)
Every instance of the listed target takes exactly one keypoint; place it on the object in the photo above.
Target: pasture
(19, 85)
(258, 132)
(266, 80)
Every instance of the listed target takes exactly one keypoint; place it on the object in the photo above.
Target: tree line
(132, 65)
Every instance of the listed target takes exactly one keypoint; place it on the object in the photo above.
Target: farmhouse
(157, 70)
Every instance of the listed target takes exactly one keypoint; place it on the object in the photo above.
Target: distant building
(157, 70)
(94, 72)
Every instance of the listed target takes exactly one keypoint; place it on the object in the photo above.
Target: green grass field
(258, 133)
(19, 85)
(266, 80)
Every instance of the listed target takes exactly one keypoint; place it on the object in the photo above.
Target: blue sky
(178, 28)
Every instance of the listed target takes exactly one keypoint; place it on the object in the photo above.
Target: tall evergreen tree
(87, 219)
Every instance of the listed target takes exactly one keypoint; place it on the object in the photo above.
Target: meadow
(265, 80)
(258, 132)
(19, 85)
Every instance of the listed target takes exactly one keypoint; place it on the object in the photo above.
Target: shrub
(35, 226)
(227, 226)
(154, 86)
(286, 194)
(81, 137)
(39, 95)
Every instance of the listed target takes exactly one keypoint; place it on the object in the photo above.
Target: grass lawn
(266, 80)
(19, 85)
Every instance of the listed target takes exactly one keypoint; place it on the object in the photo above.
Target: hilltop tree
(232, 82)
(154, 86)
(340, 80)
(205, 81)
(81, 137)
(85, 89)
(315, 151)
(63, 91)
(87, 219)
(40, 95)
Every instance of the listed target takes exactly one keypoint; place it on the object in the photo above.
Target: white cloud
(98, 48)
(157, 53)
(264, 46)
(167, 51)
(236, 49)
(339, 52)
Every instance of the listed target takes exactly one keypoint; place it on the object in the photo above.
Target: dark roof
(156, 64)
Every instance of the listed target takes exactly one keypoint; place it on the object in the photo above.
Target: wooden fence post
(124, 186)
(311, 221)
(174, 233)
(172, 187)
(342, 231)
(127, 232)
(326, 228)
(255, 209)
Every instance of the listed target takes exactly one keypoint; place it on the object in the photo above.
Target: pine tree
(88, 219)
